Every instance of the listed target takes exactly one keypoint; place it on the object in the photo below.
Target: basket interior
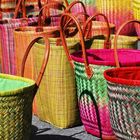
(125, 75)
(12, 83)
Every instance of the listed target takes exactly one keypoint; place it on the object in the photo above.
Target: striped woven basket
(16, 97)
(56, 101)
(123, 86)
(136, 12)
(117, 12)
(7, 39)
(89, 66)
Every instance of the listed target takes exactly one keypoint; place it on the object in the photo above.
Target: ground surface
(45, 131)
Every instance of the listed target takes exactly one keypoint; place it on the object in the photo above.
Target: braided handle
(116, 38)
(88, 24)
(45, 60)
(68, 16)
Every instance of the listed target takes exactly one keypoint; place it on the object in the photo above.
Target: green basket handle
(88, 24)
(45, 60)
(68, 16)
(116, 38)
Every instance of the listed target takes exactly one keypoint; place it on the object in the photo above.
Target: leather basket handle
(68, 16)
(45, 60)
(88, 27)
(53, 4)
(116, 38)
(74, 3)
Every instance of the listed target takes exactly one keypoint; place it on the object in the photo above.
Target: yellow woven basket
(56, 100)
(117, 12)
(136, 12)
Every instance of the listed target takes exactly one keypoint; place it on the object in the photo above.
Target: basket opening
(7, 84)
(125, 74)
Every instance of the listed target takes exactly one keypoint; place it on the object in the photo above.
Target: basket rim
(119, 80)
(20, 90)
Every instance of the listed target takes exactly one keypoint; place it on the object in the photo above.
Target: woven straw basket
(136, 12)
(57, 102)
(123, 86)
(117, 12)
(24, 35)
(16, 97)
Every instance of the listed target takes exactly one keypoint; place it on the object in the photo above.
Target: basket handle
(88, 24)
(45, 60)
(78, 14)
(68, 16)
(116, 38)
(52, 4)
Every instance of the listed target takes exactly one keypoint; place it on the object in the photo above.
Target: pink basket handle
(116, 38)
(45, 60)
(68, 16)
(107, 43)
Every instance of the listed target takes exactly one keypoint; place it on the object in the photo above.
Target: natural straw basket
(117, 12)
(89, 66)
(136, 12)
(56, 103)
(16, 97)
(24, 35)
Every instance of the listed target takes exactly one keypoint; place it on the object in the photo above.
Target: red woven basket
(124, 101)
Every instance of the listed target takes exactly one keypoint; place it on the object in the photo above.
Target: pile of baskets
(90, 70)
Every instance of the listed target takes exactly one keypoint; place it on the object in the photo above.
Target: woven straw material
(93, 93)
(22, 37)
(15, 108)
(56, 101)
(124, 42)
(124, 102)
(7, 43)
(117, 12)
(100, 28)
(136, 12)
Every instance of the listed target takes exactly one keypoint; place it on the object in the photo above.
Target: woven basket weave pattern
(124, 42)
(57, 102)
(98, 88)
(16, 112)
(125, 110)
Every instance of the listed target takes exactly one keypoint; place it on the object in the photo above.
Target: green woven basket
(16, 97)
